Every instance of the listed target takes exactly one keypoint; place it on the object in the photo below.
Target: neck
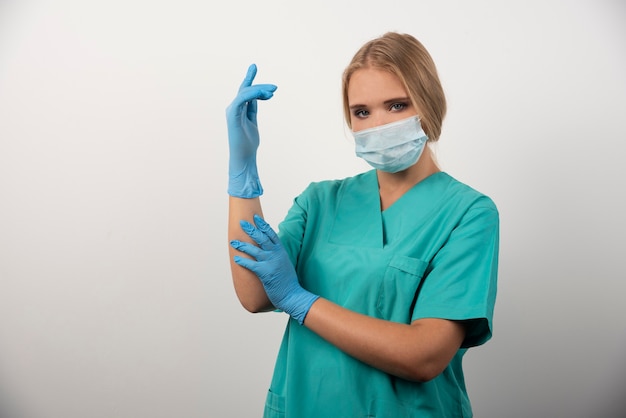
(392, 186)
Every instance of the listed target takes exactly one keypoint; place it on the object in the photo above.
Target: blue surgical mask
(392, 147)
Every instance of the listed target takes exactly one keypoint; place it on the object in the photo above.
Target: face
(377, 97)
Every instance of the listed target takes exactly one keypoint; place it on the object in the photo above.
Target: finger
(266, 229)
(251, 111)
(246, 263)
(256, 234)
(256, 92)
(246, 248)
(249, 78)
(266, 93)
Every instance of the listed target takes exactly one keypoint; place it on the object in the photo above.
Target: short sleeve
(461, 281)
(291, 229)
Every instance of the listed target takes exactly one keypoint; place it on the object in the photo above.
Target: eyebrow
(386, 102)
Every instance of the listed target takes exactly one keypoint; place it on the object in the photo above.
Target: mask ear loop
(433, 148)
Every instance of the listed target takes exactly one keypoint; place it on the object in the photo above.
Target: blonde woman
(388, 276)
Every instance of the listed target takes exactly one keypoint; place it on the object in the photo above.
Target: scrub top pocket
(398, 288)
(274, 406)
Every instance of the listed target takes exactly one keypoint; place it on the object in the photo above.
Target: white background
(115, 294)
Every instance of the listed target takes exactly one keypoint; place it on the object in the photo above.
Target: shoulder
(330, 189)
(466, 196)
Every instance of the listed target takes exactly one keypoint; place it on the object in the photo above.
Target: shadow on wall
(614, 405)
(7, 407)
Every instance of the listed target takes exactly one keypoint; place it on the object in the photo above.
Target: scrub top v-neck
(433, 253)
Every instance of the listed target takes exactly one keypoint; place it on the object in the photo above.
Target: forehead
(371, 85)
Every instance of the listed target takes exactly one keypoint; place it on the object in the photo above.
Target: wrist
(302, 302)
(243, 180)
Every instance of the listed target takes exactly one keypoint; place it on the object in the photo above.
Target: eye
(361, 113)
(398, 107)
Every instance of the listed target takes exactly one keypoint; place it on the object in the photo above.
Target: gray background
(115, 294)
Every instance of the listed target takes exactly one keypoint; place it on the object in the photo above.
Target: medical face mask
(392, 147)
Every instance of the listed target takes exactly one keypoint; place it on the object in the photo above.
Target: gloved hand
(243, 137)
(273, 267)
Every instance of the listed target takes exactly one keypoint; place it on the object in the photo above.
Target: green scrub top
(432, 254)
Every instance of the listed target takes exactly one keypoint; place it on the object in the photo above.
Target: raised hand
(243, 136)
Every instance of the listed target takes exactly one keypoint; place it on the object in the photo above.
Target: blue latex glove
(273, 267)
(243, 137)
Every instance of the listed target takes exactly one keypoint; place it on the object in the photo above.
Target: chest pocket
(398, 288)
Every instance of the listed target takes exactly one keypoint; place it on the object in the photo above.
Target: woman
(388, 276)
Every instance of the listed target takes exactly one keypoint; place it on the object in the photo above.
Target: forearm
(418, 352)
(248, 287)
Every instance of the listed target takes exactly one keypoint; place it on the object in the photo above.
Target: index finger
(257, 235)
(250, 95)
(266, 229)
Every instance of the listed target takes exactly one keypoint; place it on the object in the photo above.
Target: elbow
(422, 373)
(423, 376)
(255, 306)
(251, 308)
(252, 300)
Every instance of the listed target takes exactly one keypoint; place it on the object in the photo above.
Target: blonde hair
(406, 58)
